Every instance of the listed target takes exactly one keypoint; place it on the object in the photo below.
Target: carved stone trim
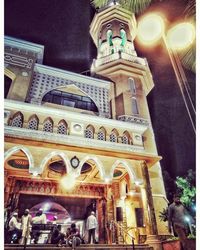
(36, 135)
(53, 188)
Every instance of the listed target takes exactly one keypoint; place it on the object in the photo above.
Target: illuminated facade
(62, 128)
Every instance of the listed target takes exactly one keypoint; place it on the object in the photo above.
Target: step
(81, 247)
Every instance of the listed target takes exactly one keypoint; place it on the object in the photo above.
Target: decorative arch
(114, 135)
(10, 74)
(126, 138)
(130, 171)
(123, 37)
(48, 125)
(9, 77)
(17, 120)
(33, 122)
(101, 134)
(93, 104)
(62, 127)
(52, 154)
(109, 35)
(26, 151)
(89, 131)
(98, 164)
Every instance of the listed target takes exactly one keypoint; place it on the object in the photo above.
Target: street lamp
(151, 28)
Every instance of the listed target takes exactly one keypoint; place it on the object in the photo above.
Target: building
(85, 143)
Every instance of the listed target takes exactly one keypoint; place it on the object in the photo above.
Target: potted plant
(171, 243)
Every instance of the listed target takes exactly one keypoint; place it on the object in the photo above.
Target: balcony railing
(119, 55)
(134, 119)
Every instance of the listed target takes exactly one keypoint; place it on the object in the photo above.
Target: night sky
(63, 28)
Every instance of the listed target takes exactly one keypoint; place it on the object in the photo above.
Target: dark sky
(63, 28)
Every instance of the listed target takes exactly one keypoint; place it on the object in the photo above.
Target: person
(57, 237)
(7, 214)
(91, 225)
(14, 229)
(74, 239)
(26, 223)
(55, 219)
(177, 214)
(40, 218)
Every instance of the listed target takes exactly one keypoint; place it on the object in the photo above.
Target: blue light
(187, 219)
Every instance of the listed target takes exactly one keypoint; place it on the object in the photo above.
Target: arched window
(135, 106)
(132, 85)
(101, 134)
(109, 37)
(17, 120)
(33, 122)
(68, 99)
(48, 125)
(126, 139)
(62, 127)
(113, 136)
(89, 132)
(7, 84)
(123, 37)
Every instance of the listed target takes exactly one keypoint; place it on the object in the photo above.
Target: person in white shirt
(91, 225)
(26, 223)
(14, 228)
(40, 218)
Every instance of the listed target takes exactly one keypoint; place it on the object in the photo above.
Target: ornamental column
(149, 212)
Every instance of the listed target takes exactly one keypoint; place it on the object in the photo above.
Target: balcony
(133, 119)
(76, 125)
(119, 55)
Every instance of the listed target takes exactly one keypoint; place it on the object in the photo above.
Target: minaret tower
(113, 31)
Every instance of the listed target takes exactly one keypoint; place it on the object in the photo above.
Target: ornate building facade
(62, 127)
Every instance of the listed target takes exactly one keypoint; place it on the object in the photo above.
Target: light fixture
(68, 182)
(107, 180)
(35, 173)
(131, 192)
(181, 36)
(150, 29)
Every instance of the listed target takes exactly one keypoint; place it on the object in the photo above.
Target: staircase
(82, 247)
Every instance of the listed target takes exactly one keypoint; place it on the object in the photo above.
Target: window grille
(17, 121)
(62, 128)
(89, 133)
(48, 126)
(125, 139)
(101, 136)
(33, 123)
(113, 137)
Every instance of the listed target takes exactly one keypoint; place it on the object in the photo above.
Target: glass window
(134, 106)
(132, 85)
(68, 103)
(109, 37)
(123, 37)
(71, 100)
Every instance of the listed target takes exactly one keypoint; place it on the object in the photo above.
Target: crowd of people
(28, 227)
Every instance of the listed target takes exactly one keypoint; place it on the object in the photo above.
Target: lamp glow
(187, 219)
(35, 173)
(181, 36)
(150, 29)
(107, 180)
(68, 182)
(131, 193)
